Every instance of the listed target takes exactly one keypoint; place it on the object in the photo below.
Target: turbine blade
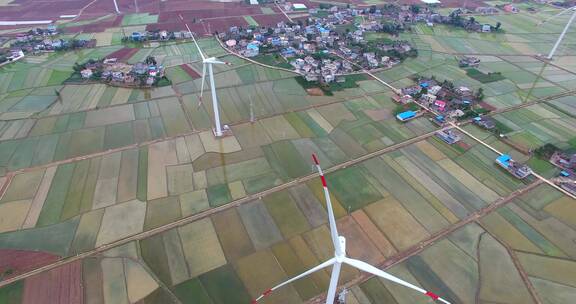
(557, 15)
(203, 81)
(216, 61)
(196, 43)
(377, 272)
(331, 219)
(306, 273)
(331, 295)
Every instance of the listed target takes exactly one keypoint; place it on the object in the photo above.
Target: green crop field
(86, 165)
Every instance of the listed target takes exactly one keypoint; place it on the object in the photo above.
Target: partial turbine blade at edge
(306, 273)
(331, 218)
(377, 272)
(216, 61)
(190, 32)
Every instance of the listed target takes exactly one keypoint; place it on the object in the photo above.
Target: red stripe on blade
(432, 295)
(315, 159)
(267, 292)
(323, 181)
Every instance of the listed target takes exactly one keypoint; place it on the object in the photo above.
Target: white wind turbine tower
(557, 44)
(340, 258)
(207, 63)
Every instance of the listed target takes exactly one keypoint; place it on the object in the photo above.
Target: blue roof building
(404, 116)
(424, 84)
(252, 49)
(288, 52)
(136, 36)
(564, 173)
(504, 160)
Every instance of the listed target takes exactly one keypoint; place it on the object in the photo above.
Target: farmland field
(165, 212)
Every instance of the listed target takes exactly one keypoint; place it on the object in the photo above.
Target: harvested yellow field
(396, 223)
(13, 214)
(226, 144)
(139, 283)
(201, 247)
(430, 150)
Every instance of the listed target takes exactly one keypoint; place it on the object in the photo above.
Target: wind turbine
(551, 54)
(116, 7)
(340, 258)
(207, 65)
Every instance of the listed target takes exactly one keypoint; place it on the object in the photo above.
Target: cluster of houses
(141, 74)
(160, 35)
(34, 44)
(44, 40)
(323, 70)
(306, 45)
(567, 163)
(456, 18)
(7, 56)
(490, 10)
(449, 101)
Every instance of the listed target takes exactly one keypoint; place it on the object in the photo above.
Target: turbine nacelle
(342, 254)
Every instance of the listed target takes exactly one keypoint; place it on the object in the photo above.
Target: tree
(472, 20)
(415, 8)
(150, 60)
(498, 24)
(480, 94)
(372, 9)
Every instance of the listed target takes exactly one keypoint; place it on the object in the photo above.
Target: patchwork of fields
(85, 165)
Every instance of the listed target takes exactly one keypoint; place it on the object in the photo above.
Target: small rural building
(252, 49)
(299, 7)
(405, 116)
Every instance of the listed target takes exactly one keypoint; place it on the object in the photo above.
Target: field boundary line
(209, 212)
(418, 248)
(521, 271)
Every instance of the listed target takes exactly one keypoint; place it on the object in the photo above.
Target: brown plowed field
(123, 54)
(62, 285)
(190, 71)
(270, 20)
(20, 261)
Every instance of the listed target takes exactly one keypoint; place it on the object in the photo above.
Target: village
(333, 41)
(566, 162)
(114, 72)
(318, 51)
(41, 40)
(453, 104)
